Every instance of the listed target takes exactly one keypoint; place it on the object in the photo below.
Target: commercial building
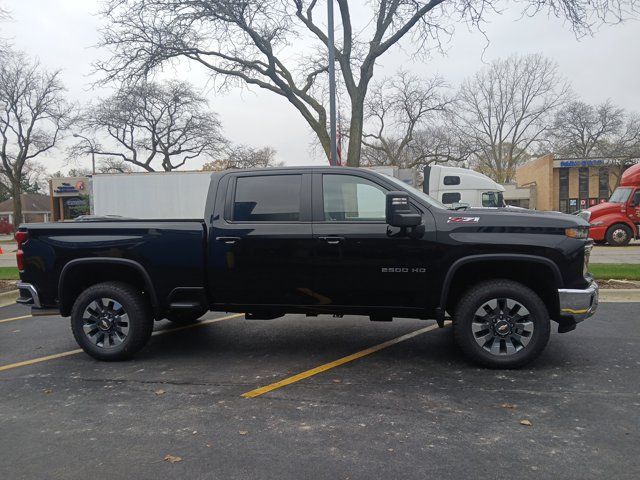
(569, 184)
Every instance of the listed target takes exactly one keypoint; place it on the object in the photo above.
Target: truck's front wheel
(501, 324)
(619, 235)
(111, 321)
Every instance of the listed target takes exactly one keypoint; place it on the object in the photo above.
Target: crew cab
(617, 221)
(313, 240)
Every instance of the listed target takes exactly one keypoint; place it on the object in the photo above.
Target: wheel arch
(477, 268)
(73, 279)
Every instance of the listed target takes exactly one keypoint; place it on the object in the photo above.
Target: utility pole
(333, 160)
(93, 152)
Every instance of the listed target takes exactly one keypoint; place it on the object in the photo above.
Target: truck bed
(171, 252)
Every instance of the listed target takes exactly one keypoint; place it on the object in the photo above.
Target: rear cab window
(267, 198)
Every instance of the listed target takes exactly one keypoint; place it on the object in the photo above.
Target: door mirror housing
(399, 212)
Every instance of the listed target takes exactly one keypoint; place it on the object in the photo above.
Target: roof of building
(31, 203)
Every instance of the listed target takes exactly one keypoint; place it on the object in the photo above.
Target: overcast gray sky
(62, 34)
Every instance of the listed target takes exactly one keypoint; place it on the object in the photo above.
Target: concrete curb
(9, 298)
(619, 295)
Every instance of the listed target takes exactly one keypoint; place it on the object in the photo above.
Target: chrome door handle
(228, 240)
(332, 240)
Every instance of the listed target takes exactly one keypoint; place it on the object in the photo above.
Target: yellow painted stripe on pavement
(5, 320)
(55, 356)
(336, 363)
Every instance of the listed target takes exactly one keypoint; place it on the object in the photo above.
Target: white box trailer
(161, 195)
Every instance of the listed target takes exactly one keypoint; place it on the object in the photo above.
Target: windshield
(621, 195)
(492, 199)
(405, 186)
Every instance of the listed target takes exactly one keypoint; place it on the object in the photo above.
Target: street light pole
(333, 160)
(93, 152)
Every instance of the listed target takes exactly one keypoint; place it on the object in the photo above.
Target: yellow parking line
(5, 320)
(33, 361)
(336, 363)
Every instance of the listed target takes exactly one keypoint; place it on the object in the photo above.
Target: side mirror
(398, 211)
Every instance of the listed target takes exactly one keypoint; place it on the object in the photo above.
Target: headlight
(577, 232)
(596, 223)
(587, 256)
(586, 214)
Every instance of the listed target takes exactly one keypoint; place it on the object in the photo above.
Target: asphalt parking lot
(415, 409)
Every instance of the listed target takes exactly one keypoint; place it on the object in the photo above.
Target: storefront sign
(69, 186)
(590, 162)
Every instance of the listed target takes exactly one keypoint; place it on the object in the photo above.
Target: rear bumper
(578, 305)
(28, 295)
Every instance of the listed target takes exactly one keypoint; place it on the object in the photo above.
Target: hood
(517, 217)
(605, 208)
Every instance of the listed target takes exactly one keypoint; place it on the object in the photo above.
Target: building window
(564, 183)
(603, 182)
(583, 184)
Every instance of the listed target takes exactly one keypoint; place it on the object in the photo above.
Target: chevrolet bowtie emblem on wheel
(463, 220)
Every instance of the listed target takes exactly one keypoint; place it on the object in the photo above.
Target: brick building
(569, 184)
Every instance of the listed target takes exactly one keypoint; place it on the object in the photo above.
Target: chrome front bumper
(579, 304)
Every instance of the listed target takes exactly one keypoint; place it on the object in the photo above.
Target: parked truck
(316, 241)
(455, 186)
(617, 221)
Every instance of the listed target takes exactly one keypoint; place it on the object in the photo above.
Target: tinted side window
(348, 198)
(451, 180)
(450, 197)
(267, 198)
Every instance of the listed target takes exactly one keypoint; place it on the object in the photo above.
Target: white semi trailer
(179, 195)
(456, 186)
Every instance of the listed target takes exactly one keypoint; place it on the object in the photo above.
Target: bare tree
(607, 131)
(152, 126)
(397, 112)
(581, 130)
(33, 115)
(503, 111)
(242, 156)
(256, 42)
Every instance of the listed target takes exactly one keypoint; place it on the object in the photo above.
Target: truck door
(260, 243)
(633, 211)
(358, 261)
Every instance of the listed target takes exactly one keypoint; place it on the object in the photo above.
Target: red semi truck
(617, 221)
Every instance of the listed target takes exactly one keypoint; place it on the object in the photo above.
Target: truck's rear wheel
(619, 235)
(111, 321)
(501, 324)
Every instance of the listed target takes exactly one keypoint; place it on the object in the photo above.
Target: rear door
(261, 243)
(361, 261)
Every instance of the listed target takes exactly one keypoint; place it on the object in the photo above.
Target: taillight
(21, 237)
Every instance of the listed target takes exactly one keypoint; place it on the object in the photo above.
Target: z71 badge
(463, 220)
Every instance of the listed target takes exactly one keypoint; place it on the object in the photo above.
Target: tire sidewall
(615, 227)
(476, 297)
(140, 322)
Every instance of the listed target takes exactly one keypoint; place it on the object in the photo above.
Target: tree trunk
(17, 206)
(355, 132)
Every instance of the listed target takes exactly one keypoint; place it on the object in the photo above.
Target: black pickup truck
(315, 241)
